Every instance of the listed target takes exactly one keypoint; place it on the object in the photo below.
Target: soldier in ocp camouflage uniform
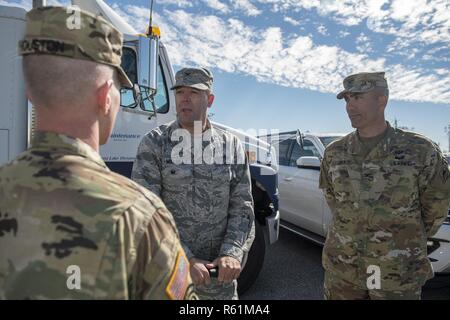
(69, 227)
(388, 190)
(203, 178)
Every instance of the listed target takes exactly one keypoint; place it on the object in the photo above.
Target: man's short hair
(52, 81)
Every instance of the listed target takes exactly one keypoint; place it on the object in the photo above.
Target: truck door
(134, 121)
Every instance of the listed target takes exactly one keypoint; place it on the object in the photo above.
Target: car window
(283, 149)
(309, 150)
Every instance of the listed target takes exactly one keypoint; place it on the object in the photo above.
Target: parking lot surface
(293, 271)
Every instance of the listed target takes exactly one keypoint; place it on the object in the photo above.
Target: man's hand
(199, 271)
(229, 268)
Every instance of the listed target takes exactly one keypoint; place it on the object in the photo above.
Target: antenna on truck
(151, 14)
(151, 34)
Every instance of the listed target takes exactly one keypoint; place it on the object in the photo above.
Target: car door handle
(288, 179)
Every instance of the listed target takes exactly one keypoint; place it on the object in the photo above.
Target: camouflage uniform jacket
(61, 207)
(212, 203)
(384, 207)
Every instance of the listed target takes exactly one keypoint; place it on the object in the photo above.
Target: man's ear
(104, 97)
(382, 101)
(210, 100)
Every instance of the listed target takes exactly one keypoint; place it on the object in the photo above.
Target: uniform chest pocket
(401, 187)
(222, 173)
(175, 175)
(221, 177)
(342, 184)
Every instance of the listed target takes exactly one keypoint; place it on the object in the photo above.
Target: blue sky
(279, 63)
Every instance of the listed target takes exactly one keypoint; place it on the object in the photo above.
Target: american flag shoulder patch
(178, 283)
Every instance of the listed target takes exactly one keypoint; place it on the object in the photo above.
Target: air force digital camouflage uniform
(212, 203)
(64, 216)
(384, 207)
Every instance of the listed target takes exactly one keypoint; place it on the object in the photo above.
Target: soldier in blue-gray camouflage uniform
(202, 175)
(388, 190)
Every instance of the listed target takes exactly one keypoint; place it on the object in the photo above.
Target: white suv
(303, 208)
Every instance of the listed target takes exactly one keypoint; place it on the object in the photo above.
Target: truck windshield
(129, 64)
(327, 140)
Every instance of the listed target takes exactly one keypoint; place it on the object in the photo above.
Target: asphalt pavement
(293, 271)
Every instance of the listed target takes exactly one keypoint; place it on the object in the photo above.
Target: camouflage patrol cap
(198, 78)
(363, 82)
(55, 31)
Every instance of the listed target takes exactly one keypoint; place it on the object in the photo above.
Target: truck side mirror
(142, 69)
(308, 163)
(148, 63)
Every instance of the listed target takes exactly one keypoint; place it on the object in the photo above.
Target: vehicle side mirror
(308, 163)
(144, 87)
(148, 63)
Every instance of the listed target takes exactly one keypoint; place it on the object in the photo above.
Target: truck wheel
(255, 261)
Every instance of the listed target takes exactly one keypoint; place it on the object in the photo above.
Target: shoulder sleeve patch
(179, 280)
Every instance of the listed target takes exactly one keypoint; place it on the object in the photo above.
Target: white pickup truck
(303, 208)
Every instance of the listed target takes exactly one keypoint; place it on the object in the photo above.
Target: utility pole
(39, 3)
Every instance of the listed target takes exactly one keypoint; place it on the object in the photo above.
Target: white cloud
(402, 48)
(247, 7)
(419, 20)
(137, 17)
(441, 71)
(270, 56)
(343, 34)
(438, 54)
(348, 12)
(291, 21)
(179, 3)
(397, 45)
(217, 5)
(363, 44)
(322, 30)
(416, 85)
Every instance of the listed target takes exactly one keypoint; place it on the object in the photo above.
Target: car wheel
(255, 261)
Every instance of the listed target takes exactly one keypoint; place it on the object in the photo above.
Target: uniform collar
(209, 126)
(381, 149)
(62, 143)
